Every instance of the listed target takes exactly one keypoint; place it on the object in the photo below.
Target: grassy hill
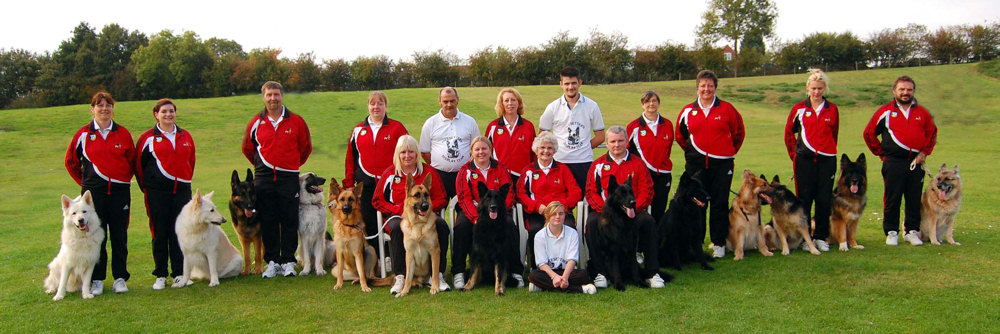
(879, 289)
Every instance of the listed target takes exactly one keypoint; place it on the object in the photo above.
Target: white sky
(348, 29)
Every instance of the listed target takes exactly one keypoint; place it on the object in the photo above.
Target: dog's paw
(366, 289)
(707, 267)
(88, 295)
(320, 272)
(768, 253)
(338, 286)
(49, 291)
(244, 273)
(936, 242)
(814, 251)
(434, 291)
(305, 272)
(956, 243)
(620, 287)
(401, 294)
(58, 297)
(858, 247)
(843, 247)
(180, 284)
(785, 252)
(213, 283)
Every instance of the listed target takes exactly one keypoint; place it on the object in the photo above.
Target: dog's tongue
(248, 213)
(854, 189)
(85, 228)
(630, 212)
(941, 195)
(493, 215)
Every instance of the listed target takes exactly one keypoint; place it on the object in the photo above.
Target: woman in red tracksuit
(390, 194)
(650, 137)
(100, 158)
(543, 182)
(480, 169)
(369, 152)
(512, 135)
(813, 151)
(165, 164)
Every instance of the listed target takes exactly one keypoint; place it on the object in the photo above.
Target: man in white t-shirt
(446, 139)
(577, 123)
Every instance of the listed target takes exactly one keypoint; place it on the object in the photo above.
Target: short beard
(904, 103)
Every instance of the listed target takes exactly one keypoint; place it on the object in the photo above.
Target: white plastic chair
(581, 222)
(382, 238)
(521, 231)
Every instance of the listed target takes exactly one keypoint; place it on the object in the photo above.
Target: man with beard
(572, 117)
(908, 136)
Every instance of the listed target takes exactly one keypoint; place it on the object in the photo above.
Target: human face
(481, 152)
(652, 106)
(376, 110)
(166, 116)
(272, 100)
(545, 151)
(558, 218)
(103, 112)
(617, 144)
(706, 90)
(510, 104)
(408, 158)
(903, 92)
(816, 90)
(570, 86)
(449, 102)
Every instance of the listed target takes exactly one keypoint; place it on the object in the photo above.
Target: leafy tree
(305, 73)
(434, 69)
(266, 66)
(372, 72)
(489, 67)
(734, 20)
(531, 66)
(984, 41)
(947, 45)
(18, 71)
(404, 75)
(561, 51)
(115, 46)
(336, 75)
(173, 65)
(607, 57)
(70, 76)
(895, 47)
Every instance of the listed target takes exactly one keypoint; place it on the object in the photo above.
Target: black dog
(612, 243)
(494, 239)
(242, 210)
(682, 227)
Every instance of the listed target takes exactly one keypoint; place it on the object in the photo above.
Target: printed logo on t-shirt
(574, 140)
(453, 153)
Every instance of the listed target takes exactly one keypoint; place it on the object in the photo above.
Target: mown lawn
(879, 289)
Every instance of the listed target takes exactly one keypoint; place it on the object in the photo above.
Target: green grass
(879, 289)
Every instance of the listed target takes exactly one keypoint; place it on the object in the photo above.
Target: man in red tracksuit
(622, 165)
(277, 143)
(908, 136)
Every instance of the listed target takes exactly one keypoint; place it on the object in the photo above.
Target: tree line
(135, 66)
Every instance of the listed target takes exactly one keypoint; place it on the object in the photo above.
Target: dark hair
(162, 102)
(905, 78)
(649, 95)
(101, 95)
(570, 71)
(707, 74)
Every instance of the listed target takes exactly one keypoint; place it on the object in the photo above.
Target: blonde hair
(480, 139)
(378, 95)
(550, 210)
(517, 95)
(406, 143)
(272, 85)
(816, 74)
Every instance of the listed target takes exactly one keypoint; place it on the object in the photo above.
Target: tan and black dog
(791, 226)
(745, 232)
(242, 209)
(849, 200)
(420, 238)
(355, 257)
(939, 206)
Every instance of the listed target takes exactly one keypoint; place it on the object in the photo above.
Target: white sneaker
(655, 282)
(288, 269)
(160, 284)
(589, 289)
(442, 284)
(822, 245)
(805, 246)
(397, 284)
(458, 281)
(270, 270)
(96, 287)
(718, 252)
(892, 238)
(639, 258)
(179, 278)
(534, 288)
(119, 286)
(519, 279)
(913, 238)
(600, 281)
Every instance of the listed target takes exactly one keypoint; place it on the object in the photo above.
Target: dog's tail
(385, 281)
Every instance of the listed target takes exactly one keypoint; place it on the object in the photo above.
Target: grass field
(878, 289)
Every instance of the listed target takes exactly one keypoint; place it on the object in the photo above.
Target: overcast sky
(348, 29)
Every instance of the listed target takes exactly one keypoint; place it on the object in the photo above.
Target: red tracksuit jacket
(369, 154)
(512, 149)
(94, 161)
(467, 186)
(283, 149)
(390, 191)
(654, 150)
(902, 137)
(535, 188)
(600, 173)
(161, 165)
(818, 131)
(718, 134)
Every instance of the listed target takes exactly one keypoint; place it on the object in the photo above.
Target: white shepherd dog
(207, 251)
(80, 248)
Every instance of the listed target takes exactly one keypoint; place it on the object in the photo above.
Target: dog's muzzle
(82, 225)
(219, 222)
(347, 209)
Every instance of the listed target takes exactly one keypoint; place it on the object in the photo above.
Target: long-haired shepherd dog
(493, 240)
(355, 257)
(242, 209)
(207, 251)
(615, 237)
(79, 250)
(849, 200)
(420, 238)
(312, 224)
(681, 227)
(939, 206)
(791, 225)
(745, 231)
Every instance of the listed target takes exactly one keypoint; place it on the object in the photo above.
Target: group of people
(551, 170)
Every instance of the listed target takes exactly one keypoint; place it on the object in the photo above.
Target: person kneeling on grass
(557, 250)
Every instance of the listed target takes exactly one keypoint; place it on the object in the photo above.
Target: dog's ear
(747, 174)
(334, 188)
(861, 160)
(628, 181)
(209, 195)
(944, 166)
(844, 160)
(775, 180)
(612, 184)
(956, 169)
(481, 191)
(428, 181)
(409, 183)
(65, 200)
(197, 196)
(235, 180)
(88, 198)
(763, 177)
(504, 188)
(358, 188)
(249, 177)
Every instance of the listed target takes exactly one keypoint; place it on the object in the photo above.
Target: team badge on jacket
(159, 139)
(499, 131)
(642, 132)
(364, 132)
(397, 179)
(607, 167)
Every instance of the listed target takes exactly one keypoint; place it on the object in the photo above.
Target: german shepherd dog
(849, 202)
(355, 257)
(615, 237)
(420, 238)
(493, 240)
(939, 206)
(680, 241)
(745, 232)
(788, 215)
(312, 224)
(243, 211)
(79, 250)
